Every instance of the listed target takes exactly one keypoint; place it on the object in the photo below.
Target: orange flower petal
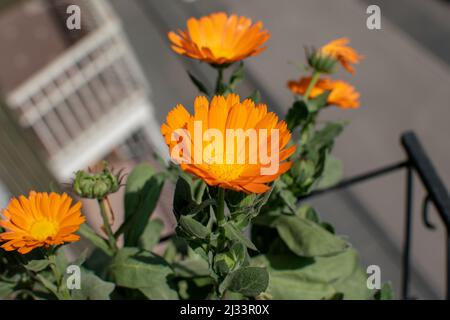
(42, 219)
(234, 170)
(219, 38)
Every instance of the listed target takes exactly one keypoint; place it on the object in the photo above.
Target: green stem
(315, 77)
(219, 82)
(220, 214)
(107, 227)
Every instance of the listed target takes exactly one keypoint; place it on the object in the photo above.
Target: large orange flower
(219, 38)
(345, 54)
(230, 164)
(342, 93)
(42, 219)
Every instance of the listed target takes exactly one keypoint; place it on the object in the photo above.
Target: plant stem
(219, 82)
(220, 214)
(107, 227)
(315, 77)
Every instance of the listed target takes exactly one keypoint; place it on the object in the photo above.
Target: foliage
(228, 244)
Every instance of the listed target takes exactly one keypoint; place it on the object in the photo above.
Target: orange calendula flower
(345, 54)
(219, 38)
(42, 219)
(342, 94)
(231, 144)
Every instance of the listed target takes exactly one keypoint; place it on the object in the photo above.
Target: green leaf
(306, 238)
(234, 234)
(325, 136)
(199, 85)
(239, 200)
(81, 258)
(318, 102)
(194, 265)
(60, 260)
(37, 265)
(141, 197)
(48, 284)
(6, 289)
(249, 281)
(182, 197)
(297, 114)
(151, 235)
(92, 287)
(99, 262)
(308, 212)
(193, 208)
(193, 228)
(139, 269)
(240, 254)
(243, 208)
(136, 181)
(385, 293)
(332, 173)
(293, 277)
(86, 232)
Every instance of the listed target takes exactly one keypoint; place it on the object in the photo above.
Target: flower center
(43, 229)
(226, 172)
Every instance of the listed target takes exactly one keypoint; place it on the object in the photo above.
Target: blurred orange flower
(42, 219)
(220, 39)
(340, 50)
(230, 165)
(342, 93)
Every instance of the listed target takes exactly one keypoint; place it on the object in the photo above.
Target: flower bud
(320, 62)
(96, 185)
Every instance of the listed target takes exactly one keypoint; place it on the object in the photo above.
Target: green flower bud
(96, 185)
(320, 62)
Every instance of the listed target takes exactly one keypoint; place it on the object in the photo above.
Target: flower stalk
(220, 214)
(315, 77)
(219, 82)
(104, 210)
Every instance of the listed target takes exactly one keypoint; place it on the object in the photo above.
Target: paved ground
(404, 82)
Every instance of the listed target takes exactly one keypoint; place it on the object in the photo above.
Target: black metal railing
(436, 193)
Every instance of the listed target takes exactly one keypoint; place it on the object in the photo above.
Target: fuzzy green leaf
(150, 237)
(86, 232)
(193, 228)
(37, 265)
(293, 277)
(332, 173)
(306, 238)
(234, 234)
(249, 281)
(141, 197)
(143, 270)
(92, 287)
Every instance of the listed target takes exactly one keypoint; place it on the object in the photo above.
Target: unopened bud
(96, 185)
(320, 62)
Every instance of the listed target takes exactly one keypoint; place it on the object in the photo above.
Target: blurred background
(70, 98)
